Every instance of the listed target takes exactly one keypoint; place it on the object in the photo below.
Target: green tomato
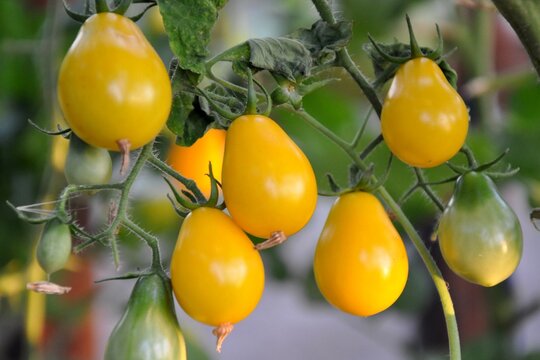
(479, 234)
(54, 246)
(86, 164)
(148, 329)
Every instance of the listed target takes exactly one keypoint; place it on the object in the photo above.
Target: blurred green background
(495, 78)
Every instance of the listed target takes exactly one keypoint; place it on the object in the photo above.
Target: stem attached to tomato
(434, 271)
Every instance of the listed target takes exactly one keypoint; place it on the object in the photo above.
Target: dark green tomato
(54, 246)
(86, 164)
(149, 328)
(479, 234)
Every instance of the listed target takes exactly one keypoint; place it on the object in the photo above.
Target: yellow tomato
(217, 275)
(113, 85)
(192, 162)
(360, 263)
(268, 183)
(424, 120)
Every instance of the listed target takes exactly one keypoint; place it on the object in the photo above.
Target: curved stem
(150, 240)
(345, 60)
(440, 284)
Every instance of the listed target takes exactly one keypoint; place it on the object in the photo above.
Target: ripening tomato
(479, 234)
(424, 121)
(192, 161)
(217, 275)
(268, 183)
(113, 85)
(149, 328)
(360, 263)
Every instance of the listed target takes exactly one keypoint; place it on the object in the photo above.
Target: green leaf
(324, 39)
(188, 24)
(282, 56)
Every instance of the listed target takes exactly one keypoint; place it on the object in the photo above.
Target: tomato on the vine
(268, 183)
(217, 276)
(54, 246)
(479, 234)
(86, 164)
(360, 263)
(149, 328)
(112, 84)
(424, 121)
(192, 161)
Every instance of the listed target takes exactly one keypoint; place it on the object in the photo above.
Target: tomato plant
(268, 183)
(360, 263)
(115, 94)
(112, 85)
(217, 276)
(479, 234)
(424, 121)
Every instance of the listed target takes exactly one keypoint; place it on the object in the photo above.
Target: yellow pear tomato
(268, 183)
(112, 84)
(360, 263)
(424, 121)
(192, 161)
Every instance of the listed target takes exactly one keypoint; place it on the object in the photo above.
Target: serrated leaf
(324, 39)
(188, 24)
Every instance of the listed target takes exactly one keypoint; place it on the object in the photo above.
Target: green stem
(102, 6)
(440, 284)
(524, 17)
(188, 183)
(150, 240)
(430, 193)
(345, 60)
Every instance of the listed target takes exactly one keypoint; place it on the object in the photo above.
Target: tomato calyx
(221, 332)
(100, 6)
(187, 201)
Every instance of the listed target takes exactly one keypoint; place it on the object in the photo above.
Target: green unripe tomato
(148, 329)
(86, 164)
(479, 234)
(54, 246)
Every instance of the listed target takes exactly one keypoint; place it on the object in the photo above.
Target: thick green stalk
(524, 17)
(440, 283)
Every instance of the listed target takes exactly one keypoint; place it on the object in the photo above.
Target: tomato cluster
(269, 188)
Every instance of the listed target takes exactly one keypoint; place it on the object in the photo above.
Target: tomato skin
(268, 182)
(424, 121)
(149, 328)
(112, 84)
(479, 234)
(192, 161)
(86, 164)
(54, 246)
(360, 263)
(217, 275)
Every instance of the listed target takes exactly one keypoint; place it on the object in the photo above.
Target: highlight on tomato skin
(424, 121)
(268, 183)
(192, 161)
(112, 85)
(360, 264)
